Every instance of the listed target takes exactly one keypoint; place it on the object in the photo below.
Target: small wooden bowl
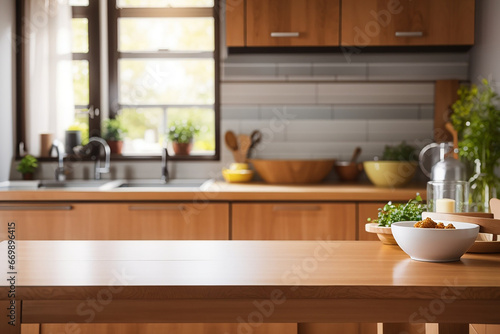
(348, 171)
(384, 233)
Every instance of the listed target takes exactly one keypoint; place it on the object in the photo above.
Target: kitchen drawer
(407, 22)
(118, 221)
(294, 221)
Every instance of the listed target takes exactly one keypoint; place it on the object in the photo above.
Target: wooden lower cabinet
(171, 329)
(365, 211)
(294, 221)
(118, 221)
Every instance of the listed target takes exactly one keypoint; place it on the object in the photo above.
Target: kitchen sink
(78, 184)
(181, 183)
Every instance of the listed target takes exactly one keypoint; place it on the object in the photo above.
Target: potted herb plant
(181, 134)
(27, 166)
(396, 168)
(476, 117)
(114, 133)
(393, 213)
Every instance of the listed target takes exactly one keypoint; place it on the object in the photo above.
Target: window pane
(153, 34)
(145, 128)
(80, 29)
(165, 3)
(81, 124)
(204, 141)
(81, 82)
(172, 81)
(78, 2)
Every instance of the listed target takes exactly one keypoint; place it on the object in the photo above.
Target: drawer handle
(296, 208)
(157, 208)
(409, 34)
(37, 207)
(284, 34)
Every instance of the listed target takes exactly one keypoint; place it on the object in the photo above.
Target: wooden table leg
(453, 328)
(10, 313)
(408, 328)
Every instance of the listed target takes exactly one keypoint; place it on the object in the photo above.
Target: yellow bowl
(390, 174)
(237, 176)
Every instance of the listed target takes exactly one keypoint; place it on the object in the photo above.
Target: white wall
(485, 55)
(7, 67)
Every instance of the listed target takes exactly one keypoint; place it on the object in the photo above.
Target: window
(163, 72)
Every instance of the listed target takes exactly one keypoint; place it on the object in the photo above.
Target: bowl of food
(434, 241)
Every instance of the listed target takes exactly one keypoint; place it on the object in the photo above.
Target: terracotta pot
(182, 148)
(28, 176)
(115, 146)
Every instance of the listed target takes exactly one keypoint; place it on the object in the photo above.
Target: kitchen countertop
(222, 191)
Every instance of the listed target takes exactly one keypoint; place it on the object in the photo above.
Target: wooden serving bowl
(293, 171)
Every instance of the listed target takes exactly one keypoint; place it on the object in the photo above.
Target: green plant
(27, 165)
(182, 131)
(393, 213)
(114, 130)
(476, 117)
(401, 152)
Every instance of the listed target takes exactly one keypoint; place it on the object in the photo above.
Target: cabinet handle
(296, 208)
(157, 207)
(285, 34)
(36, 207)
(409, 34)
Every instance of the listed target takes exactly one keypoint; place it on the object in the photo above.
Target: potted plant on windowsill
(181, 134)
(114, 133)
(27, 166)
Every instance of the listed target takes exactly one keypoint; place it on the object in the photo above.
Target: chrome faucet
(107, 154)
(164, 168)
(59, 147)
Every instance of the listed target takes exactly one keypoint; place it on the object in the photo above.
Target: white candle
(445, 205)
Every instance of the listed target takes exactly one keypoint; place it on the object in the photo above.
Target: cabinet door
(407, 22)
(294, 221)
(292, 22)
(165, 221)
(235, 23)
(365, 211)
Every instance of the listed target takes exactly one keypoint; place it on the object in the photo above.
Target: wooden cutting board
(489, 228)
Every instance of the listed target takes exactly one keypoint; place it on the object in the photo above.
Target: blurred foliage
(182, 132)
(81, 82)
(80, 33)
(113, 129)
(401, 152)
(28, 164)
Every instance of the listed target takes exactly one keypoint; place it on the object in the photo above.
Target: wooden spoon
(232, 144)
(355, 155)
(245, 143)
(454, 134)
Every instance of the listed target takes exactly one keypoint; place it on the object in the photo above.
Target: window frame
(92, 13)
(114, 13)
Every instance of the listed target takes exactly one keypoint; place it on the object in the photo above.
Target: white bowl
(435, 245)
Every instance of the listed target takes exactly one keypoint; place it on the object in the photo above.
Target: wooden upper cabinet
(407, 22)
(292, 22)
(235, 23)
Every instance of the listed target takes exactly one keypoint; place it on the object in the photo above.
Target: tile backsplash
(316, 106)
(319, 106)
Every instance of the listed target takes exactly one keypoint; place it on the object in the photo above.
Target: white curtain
(49, 81)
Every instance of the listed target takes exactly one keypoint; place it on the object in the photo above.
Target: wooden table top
(200, 269)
